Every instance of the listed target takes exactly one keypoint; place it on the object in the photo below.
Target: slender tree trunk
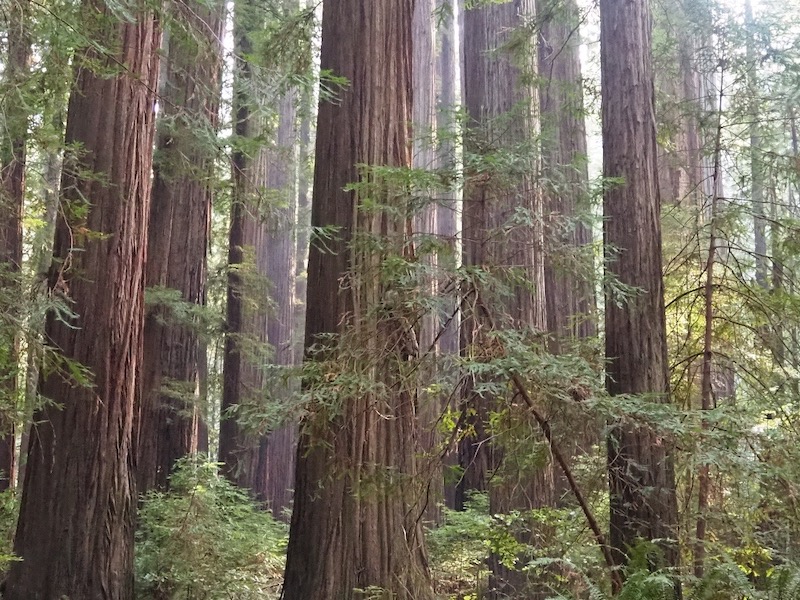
(641, 476)
(281, 249)
(168, 405)
(43, 256)
(355, 524)
(707, 382)
(569, 284)
(75, 531)
(243, 452)
(424, 223)
(448, 210)
(568, 256)
(12, 194)
(756, 166)
(501, 110)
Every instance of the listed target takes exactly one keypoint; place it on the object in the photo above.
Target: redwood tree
(243, 453)
(501, 108)
(641, 477)
(503, 240)
(355, 523)
(275, 481)
(176, 256)
(12, 193)
(75, 531)
(570, 290)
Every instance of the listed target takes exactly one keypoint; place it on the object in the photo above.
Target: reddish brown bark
(356, 520)
(641, 477)
(169, 399)
(500, 108)
(75, 531)
(12, 194)
(502, 238)
(243, 452)
(570, 289)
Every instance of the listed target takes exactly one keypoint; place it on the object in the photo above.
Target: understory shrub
(206, 540)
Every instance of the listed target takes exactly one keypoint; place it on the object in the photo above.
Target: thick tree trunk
(355, 526)
(502, 111)
(12, 194)
(501, 237)
(168, 394)
(641, 477)
(75, 531)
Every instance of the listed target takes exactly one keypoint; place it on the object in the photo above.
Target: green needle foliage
(206, 540)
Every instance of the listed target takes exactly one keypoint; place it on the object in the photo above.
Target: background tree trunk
(756, 151)
(569, 283)
(502, 237)
(169, 398)
(75, 531)
(356, 514)
(502, 113)
(12, 194)
(641, 477)
(448, 210)
(281, 248)
(242, 452)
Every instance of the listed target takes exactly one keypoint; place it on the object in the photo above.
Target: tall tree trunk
(502, 238)
(12, 194)
(501, 112)
(641, 476)
(568, 256)
(569, 284)
(168, 394)
(42, 257)
(424, 157)
(448, 210)
(756, 163)
(75, 530)
(281, 249)
(355, 524)
(242, 452)
(707, 382)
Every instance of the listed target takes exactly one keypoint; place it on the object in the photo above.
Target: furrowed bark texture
(570, 289)
(503, 238)
(75, 531)
(169, 400)
(502, 112)
(641, 476)
(12, 195)
(355, 526)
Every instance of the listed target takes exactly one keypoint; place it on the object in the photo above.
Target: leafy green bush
(460, 547)
(206, 540)
(9, 510)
